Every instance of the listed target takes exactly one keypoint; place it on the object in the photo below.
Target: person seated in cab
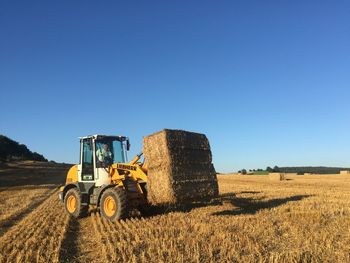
(104, 156)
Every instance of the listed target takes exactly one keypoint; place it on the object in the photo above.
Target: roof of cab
(100, 136)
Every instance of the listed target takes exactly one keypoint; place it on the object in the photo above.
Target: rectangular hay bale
(180, 167)
(277, 176)
(345, 172)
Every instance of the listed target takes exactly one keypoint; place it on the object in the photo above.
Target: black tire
(78, 210)
(118, 209)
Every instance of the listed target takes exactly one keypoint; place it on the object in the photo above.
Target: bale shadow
(244, 206)
(184, 208)
(249, 192)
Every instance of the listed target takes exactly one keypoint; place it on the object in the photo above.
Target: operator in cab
(104, 156)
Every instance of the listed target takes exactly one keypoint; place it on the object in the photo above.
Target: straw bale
(180, 167)
(277, 176)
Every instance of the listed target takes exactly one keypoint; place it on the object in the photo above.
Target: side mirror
(127, 144)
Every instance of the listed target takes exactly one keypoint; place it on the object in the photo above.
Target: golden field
(301, 219)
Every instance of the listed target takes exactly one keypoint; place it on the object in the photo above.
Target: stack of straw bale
(180, 167)
(345, 172)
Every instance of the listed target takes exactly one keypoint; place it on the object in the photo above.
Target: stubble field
(302, 219)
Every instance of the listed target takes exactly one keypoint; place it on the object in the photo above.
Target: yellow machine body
(119, 173)
(113, 187)
(72, 175)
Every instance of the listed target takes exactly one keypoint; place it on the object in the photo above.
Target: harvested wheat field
(254, 219)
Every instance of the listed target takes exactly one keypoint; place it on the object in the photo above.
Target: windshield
(109, 151)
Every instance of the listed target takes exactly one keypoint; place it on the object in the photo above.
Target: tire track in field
(68, 251)
(81, 242)
(103, 237)
(38, 237)
(88, 243)
(119, 240)
(14, 219)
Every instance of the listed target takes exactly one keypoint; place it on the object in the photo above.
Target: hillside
(11, 150)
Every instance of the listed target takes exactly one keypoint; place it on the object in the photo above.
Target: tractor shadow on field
(69, 246)
(250, 206)
(241, 205)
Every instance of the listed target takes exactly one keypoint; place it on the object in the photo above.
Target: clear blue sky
(267, 81)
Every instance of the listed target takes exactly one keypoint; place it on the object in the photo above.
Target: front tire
(113, 204)
(73, 205)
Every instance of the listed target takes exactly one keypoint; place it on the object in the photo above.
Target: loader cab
(97, 153)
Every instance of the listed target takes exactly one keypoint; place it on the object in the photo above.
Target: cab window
(87, 161)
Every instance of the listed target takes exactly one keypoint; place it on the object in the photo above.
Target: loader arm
(133, 170)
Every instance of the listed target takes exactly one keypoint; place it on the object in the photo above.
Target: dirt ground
(302, 219)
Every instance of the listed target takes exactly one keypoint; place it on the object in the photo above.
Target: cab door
(87, 162)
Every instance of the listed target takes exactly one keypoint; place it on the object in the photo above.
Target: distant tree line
(252, 171)
(299, 170)
(11, 150)
(309, 169)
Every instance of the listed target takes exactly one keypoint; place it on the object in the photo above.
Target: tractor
(104, 179)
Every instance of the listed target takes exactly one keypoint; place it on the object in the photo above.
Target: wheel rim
(109, 206)
(71, 204)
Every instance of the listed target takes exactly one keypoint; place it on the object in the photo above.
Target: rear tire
(113, 204)
(73, 205)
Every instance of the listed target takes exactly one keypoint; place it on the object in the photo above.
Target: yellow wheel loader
(104, 179)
